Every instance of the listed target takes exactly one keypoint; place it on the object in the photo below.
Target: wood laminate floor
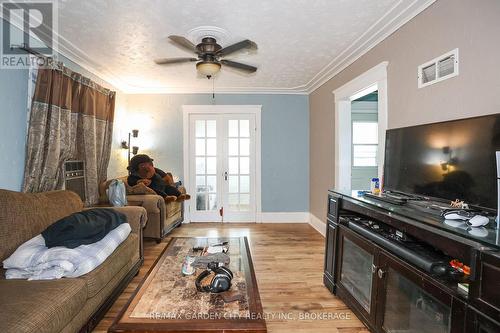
(288, 262)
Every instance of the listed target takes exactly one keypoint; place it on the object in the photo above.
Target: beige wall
(472, 26)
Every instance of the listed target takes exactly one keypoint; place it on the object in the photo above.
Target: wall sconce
(448, 165)
(444, 166)
(126, 144)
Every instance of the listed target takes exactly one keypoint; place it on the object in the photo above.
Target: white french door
(222, 167)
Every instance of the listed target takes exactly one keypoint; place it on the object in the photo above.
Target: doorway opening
(364, 124)
(222, 162)
(360, 129)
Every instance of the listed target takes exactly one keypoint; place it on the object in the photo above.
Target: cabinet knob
(374, 269)
(381, 273)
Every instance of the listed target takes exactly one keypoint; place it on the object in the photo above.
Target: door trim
(376, 76)
(256, 110)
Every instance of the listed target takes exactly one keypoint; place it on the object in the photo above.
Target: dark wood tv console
(400, 289)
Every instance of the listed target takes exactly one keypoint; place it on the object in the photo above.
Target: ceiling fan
(209, 55)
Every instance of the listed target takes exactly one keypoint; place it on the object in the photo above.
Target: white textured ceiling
(300, 42)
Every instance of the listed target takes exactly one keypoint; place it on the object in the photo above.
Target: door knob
(225, 175)
(380, 273)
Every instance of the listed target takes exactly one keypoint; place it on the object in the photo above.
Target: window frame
(353, 165)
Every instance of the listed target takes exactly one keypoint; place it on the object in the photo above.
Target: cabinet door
(333, 208)
(355, 273)
(477, 323)
(330, 251)
(408, 302)
(485, 292)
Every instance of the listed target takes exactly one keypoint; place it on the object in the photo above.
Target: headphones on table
(220, 282)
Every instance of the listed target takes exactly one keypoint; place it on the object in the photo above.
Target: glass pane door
(239, 198)
(205, 150)
(356, 272)
(222, 167)
(410, 309)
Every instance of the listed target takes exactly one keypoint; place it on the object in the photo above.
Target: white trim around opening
(373, 79)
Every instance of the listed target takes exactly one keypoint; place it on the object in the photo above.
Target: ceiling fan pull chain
(213, 90)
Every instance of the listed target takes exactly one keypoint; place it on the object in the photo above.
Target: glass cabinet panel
(356, 272)
(409, 309)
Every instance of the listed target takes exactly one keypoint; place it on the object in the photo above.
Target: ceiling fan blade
(236, 47)
(183, 42)
(239, 65)
(166, 61)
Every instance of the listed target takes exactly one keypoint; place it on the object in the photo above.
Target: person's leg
(172, 190)
(184, 195)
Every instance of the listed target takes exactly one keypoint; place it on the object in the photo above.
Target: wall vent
(438, 69)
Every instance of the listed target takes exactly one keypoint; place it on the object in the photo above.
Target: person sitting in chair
(142, 170)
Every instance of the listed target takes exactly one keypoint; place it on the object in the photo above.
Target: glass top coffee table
(167, 301)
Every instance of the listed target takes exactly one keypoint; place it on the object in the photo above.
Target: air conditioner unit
(74, 178)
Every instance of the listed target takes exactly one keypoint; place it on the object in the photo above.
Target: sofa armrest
(152, 203)
(136, 216)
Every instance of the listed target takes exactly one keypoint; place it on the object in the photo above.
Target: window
(364, 144)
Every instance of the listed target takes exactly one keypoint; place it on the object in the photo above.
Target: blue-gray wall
(285, 140)
(13, 112)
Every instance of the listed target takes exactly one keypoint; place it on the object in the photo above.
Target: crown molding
(189, 90)
(69, 51)
(397, 16)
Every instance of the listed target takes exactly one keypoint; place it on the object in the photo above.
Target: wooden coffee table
(167, 301)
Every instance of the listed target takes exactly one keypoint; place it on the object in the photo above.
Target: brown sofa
(162, 217)
(67, 304)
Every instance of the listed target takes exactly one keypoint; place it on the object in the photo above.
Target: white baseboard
(284, 217)
(291, 217)
(318, 225)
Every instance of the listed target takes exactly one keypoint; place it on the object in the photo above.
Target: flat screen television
(447, 160)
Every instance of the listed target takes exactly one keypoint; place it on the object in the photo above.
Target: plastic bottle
(375, 186)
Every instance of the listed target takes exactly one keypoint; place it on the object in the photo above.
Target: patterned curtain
(71, 118)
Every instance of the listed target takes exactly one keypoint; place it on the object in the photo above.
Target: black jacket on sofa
(82, 228)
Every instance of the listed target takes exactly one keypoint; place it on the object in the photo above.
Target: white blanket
(34, 261)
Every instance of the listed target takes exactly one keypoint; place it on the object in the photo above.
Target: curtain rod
(27, 49)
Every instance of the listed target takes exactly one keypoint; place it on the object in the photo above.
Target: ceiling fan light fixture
(208, 68)
(210, 56)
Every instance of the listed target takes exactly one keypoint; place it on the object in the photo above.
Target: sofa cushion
(97, 279)
(40, 306)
